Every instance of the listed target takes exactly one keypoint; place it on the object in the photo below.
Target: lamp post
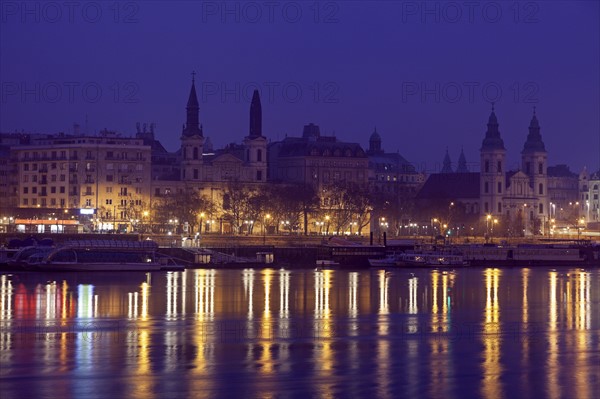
(488, 218)
(201, 222)
(144, 221)
(580, 224)
(492, 234)
(433, 221)
(266, 218)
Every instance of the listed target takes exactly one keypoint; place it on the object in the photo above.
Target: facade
(245, 163)
(563, 193)
(589, 198)
(391, 172)
(106, 176)
(521, 197)
(394, 183)
(519, 200)
(317, 160)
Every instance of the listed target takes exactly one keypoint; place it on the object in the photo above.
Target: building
(563, 194)
(589, 202)
(517, 200)
(393, 182)
(105, 176)
(317, 160)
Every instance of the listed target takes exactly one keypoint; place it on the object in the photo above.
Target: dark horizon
(424, 77)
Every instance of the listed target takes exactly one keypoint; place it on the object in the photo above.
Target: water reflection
(491, 338)
(320, 333)
(204, 294)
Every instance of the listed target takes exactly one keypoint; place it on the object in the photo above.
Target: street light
(580, 224)
(201, 221)
(144, 218)
(267, 217)
(433, 221)
(488, 218)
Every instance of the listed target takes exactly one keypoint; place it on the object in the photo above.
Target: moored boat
(430, 259)
(106, 255)
(530, 255)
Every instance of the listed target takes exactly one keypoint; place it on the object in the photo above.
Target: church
(517, 200)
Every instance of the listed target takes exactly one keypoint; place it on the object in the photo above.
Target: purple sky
(423, 73)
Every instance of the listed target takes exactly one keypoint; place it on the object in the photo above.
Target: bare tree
(184, 206)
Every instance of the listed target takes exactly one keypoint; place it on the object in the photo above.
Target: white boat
(427, 259)
(106, 255)
(325, 263)
(29, 255)
(535, 254)
(389, 260)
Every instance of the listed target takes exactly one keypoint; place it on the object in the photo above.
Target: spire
(255, 116)
(192, 112)
(447, 166)
(462, 163)
(492, 140)
(534, 141)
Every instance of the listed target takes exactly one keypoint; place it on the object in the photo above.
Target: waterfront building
(337, 171)
(105, 177)
(518, 200)
(589, 199)
(393, 182)
(563, 194)
(317, 160)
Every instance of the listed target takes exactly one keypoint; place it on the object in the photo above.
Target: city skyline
(318, 68)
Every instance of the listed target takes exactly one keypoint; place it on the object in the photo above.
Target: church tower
(462, 163)
(192, 139)
(447, 164)
(255, 144)
(534, 159)
(492, 180)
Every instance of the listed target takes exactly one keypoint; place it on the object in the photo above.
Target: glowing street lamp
(580, 225)
(267, 217)
(201, 221)
(493, 224)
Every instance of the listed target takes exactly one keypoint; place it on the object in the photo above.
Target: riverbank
(290, 251)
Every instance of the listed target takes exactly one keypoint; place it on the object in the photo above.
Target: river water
(479, 332)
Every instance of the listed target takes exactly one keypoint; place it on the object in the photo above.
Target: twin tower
(193, 167)
(503, 194)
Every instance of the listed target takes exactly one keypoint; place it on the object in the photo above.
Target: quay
(218, 251)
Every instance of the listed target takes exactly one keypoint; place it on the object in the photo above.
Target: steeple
(492, 140)
(534, 141)
(255, 116)
(192, 112)
(462, 163)
(447, 166)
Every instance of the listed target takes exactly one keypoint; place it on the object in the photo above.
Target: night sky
(423, 73)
